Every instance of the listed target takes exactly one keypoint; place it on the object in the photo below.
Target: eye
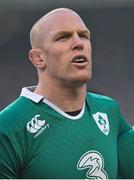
(63, 37)
(85, 36)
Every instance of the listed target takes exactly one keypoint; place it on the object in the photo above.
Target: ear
(37, 58)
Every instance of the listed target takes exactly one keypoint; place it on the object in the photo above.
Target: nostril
(78, 46)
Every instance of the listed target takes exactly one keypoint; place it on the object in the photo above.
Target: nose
(77, 43)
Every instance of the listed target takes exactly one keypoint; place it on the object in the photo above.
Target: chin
(79, 81)
(84, 77)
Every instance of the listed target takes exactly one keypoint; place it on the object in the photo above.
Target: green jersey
(39, 140)
(126, 154)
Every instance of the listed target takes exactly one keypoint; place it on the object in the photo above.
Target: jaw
(82, 74)
(78, 79)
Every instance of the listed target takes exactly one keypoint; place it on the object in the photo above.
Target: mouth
(80, 59)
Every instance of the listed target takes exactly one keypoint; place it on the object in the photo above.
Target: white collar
(29, 93)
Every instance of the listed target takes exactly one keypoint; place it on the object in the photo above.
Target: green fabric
(126, 155)
(60, 148)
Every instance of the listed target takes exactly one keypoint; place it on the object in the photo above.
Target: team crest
(102, 122)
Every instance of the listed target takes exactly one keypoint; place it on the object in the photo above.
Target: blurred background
(111, 23)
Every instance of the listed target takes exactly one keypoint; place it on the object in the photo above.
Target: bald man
(56, 130)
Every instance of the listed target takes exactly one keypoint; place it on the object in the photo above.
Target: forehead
(64, 21)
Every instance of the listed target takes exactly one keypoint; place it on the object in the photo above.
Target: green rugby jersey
(39, 140)
(126, 155)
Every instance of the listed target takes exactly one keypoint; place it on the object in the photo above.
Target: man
(56, 130)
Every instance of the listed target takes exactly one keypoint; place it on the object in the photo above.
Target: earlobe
(36, 57)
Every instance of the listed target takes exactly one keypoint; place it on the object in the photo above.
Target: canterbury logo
(94, 163)
(36, 125)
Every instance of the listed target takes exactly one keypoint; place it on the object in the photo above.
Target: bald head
(41, 28)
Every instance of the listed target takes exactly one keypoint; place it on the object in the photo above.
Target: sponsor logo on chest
(93, 161)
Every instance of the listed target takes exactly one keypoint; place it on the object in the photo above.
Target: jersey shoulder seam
(99, 96)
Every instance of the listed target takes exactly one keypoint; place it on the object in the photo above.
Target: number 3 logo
(94, 161)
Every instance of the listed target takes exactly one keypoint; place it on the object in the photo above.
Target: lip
(80, 65)
(79, 57)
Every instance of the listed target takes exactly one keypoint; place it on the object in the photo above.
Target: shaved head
(57, 39)
(43, 25)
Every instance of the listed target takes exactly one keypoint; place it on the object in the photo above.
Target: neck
(67, 98)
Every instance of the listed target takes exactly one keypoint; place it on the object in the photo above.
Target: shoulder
(99, 96)
(101, 100)
(104, 104)
(15, 114)
(18, 107)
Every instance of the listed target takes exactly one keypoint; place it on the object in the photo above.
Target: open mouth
(79, 59)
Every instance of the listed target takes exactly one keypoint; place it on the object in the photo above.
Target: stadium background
(112, 26)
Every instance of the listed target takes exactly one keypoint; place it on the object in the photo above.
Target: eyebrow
(86, 31)
(70, 32)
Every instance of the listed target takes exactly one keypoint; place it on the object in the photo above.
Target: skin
(56, 39)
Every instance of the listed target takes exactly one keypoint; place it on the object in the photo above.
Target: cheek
(89, 47)
(54, 63)
(89, 53)
(56, 56)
